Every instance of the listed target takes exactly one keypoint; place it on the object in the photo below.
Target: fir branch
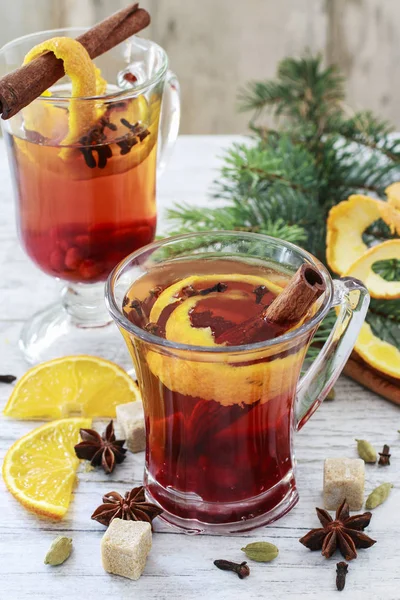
(303, 91)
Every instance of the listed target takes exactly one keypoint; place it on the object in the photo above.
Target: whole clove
(341, 572)
(7, 378)
(260, 292)
(152, 328)
(241, 569)
(384, 456)
(218, 287)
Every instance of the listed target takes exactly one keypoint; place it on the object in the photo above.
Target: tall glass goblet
(83, 207)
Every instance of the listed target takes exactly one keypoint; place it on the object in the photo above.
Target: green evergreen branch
(286, 179)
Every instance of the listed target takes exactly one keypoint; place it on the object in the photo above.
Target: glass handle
(353, 299)
(169, 120)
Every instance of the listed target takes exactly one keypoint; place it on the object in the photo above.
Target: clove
(384, 456)
(341, 572)
(241, 569)
(7, 378)
(260, 292)
(218, 287)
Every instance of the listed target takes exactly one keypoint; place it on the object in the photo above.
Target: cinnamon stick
(288, 308)
(22, 86)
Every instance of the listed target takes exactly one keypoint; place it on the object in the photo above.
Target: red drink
(219, 427)
(83, 208)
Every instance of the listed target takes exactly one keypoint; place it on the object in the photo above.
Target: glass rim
(113, 95)
(150, 338)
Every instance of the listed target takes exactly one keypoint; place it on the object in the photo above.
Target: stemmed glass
(82, 208)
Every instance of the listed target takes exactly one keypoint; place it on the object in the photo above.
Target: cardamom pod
(378, 495)
(261, 551)
(366, 451)
(59, 551)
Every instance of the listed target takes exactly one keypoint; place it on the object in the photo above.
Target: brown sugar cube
(344, 479)
(125, 546)
(130, 418)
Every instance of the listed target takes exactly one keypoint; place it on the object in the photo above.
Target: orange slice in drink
(85, 78)
(228, 378)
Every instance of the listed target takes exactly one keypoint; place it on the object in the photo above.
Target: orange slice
(381, 355)
(85, 78)
(40, 468)
(226, 378)
(377, 286)
(73, 385)
(347, 221)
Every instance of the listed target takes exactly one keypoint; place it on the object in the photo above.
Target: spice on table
(378, 495)
(341, 572)
(59, 551)
(261, 551)
(331, 394)
(241, 569)
(130, 418)
(384, 456)
(131, 507)
(102, 450)
(125, 547)
(366, 451)
(7, 378)
(344, 479)
(344, 533)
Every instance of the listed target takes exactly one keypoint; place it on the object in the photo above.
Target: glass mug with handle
(83, 205)
(220, 419)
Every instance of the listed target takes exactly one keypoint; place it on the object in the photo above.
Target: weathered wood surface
(216, 47)
(180, 567)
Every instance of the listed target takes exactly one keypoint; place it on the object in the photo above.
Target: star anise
(344, 532)
(102, 450)
(133, 507)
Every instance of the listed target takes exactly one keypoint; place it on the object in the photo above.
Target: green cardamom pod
(378, 495)
(331, 394)
(261, 551)
(366, 451)
(59, 551)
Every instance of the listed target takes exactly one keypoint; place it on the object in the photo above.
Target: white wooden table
(179, 566)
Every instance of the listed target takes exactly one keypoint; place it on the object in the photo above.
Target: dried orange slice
(85, 78)
(379, 354)
(377, 286)
(40, 468)
(347, 221)
(87, 386)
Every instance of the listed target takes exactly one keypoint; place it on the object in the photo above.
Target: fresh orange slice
(379, 354)
(377, 286)
(73, 385)
(40, 468)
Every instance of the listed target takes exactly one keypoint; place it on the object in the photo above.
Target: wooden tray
(360, 371)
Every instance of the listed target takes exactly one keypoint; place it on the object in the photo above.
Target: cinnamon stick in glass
(22, 86)
(286, 311)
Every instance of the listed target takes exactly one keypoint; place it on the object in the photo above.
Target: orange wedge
(71, 386)
(40, 468)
